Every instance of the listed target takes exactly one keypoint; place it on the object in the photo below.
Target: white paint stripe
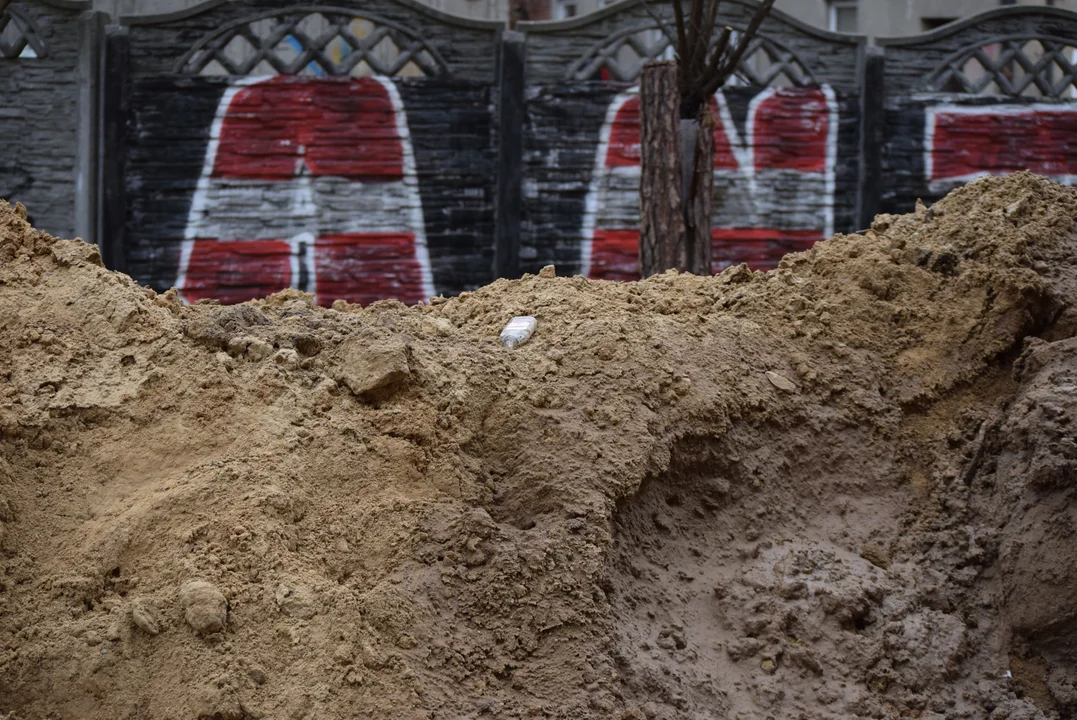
(598, 180)
(295, 260)
(741, 154)
(831, 158)
(929, 143)
(411, 178)
(246, 209)
(949, 183)
(186, 246)
(747, 164)
(953, 109)
(619, 206)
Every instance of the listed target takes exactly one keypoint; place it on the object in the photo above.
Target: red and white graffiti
(307, 184)
(774, 189)
(962, 142)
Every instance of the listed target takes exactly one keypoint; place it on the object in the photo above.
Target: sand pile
(839, 489)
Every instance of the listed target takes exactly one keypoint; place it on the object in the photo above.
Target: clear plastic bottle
(518, 331)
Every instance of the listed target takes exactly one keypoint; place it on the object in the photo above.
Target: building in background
(870, 17)
(895, 17)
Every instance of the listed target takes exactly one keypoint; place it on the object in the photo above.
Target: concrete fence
(372, 149)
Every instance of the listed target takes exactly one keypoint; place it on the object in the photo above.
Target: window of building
(843, 16)
(930, 23)
(566, 9)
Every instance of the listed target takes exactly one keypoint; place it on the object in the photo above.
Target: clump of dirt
(841, 488)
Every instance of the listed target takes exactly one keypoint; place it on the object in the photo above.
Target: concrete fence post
(112, 147)
(872, 120)
(90, 31)
(510, 154)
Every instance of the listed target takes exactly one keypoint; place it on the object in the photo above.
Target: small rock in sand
(781, 382)
(259, 350)
(145, 618)
(204, 607)
(875, 554)
(372, 360)
(295, 601)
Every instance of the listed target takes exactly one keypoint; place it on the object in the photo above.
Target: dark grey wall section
(561, 136)
(38, 117)
(169, 123)
(451, 125)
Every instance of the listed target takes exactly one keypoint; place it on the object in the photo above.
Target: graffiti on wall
(307, 184)
(963, 142)
(774, 182)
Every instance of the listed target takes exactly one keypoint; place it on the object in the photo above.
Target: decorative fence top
(1028, 52)
(1018, 66)
(331, 41)
(766, 62)
(396, 38)
(619, 39)
(19, 36)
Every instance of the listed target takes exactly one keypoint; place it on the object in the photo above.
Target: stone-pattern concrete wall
(366, 187)
(38, 115)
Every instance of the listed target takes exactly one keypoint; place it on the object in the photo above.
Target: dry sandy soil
(840, 489)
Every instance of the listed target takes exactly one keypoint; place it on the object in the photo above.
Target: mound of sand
(839, 489)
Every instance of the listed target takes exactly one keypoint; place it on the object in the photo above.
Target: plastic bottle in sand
(518, 331)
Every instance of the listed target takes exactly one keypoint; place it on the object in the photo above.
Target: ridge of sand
(838, 489)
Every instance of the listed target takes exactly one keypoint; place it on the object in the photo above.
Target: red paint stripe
(615, 253)
(237, 271)
(341, 127)
(362, 268)
(748, 234)
(791, 130)
(964, 144)
(760, 248)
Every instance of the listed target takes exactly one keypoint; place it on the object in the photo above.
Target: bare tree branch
(696, 34)
(709, 24)
(662, 25)
(699, 52)
(682, 41)
(753, 27)
(713, 77)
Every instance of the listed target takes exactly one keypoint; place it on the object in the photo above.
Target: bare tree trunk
(662, 231)
(698, 203)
